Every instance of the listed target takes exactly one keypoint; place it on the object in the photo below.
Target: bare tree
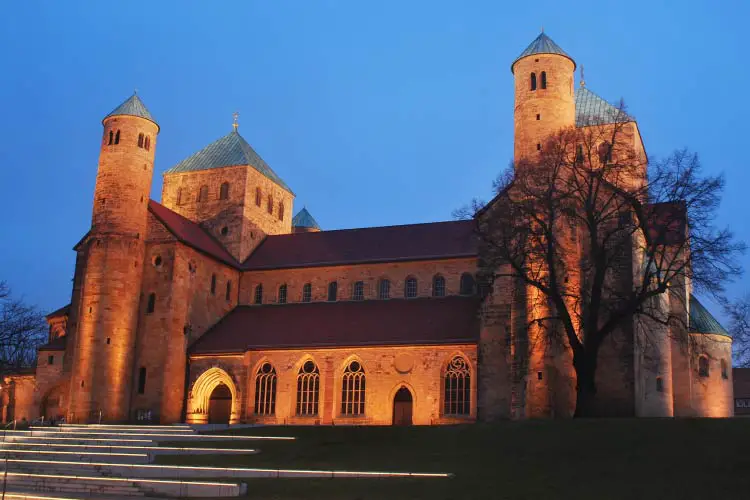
(738, 313)
(598, 236)
(22, 329)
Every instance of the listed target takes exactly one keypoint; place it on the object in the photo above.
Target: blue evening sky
(375, 113)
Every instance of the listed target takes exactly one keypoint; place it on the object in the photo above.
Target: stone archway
(53, 403)
(403, 407)
(210, 389)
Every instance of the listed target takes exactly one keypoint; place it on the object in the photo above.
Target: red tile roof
(425, 321)
(437, 240)
(190, 233)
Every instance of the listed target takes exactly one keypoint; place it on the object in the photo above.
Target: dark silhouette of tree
(22, 329)
(738, 313)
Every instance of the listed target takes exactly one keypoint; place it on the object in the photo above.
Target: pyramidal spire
(133, 106)
(542, 44)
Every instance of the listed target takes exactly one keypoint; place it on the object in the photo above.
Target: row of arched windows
(144, 141)
(704, 368)
(542, 83)
(269, 203)
(467, 286)
(456, 389)
(227, 290)
(224, 195)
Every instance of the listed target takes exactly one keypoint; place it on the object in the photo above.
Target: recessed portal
(402, 407)
(220, 405)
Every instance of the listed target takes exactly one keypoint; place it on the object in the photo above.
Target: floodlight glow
(52, 452)
(171, 448)
(187, 436)
(120, 479)
(47, 438)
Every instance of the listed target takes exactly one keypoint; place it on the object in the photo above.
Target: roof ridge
(328, 231)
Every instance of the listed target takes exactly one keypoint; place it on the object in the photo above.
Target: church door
(220, 405)
(402, 407)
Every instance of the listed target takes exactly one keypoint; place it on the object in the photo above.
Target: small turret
(303, 222)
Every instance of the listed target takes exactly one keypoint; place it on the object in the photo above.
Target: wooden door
(220, 405)
(402, 407)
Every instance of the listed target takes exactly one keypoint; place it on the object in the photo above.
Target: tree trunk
(585, 366)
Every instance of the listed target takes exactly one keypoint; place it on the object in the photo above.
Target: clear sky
(375, 113)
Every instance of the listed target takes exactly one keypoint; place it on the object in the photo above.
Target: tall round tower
(544, 102)
(112, 256)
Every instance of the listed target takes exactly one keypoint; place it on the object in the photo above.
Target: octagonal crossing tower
(110, 267)
(544, 101)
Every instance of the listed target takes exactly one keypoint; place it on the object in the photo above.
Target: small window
(544, 80)
(539, 375)
(467, 284)
(307, 292)
(703, 366)
(147, 143)
(579, 154)
(724, 369)
(224, 231)
(533, 81)
(108, 340)
(410, 287)
(384, 289)
(224, 191)
(438, 286)
(258, 196)
(538, 117)
(538, 146)
(228, 294)
(151, 303)
(117, 137)
(605, 152)
(659, 384)
(179, 196)
(213, 284)
(359, 291)
(111, 137)
(281, 210)
(282, 294)
(203, 193)
(270, 204)
(50, 360)
(333, 289)
(142, 380)
(258, 299)
(140, 140)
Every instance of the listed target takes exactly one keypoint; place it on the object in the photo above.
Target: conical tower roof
(702, 321)
(304, 219)
(542, 45)
(133, 106)
(230, 150)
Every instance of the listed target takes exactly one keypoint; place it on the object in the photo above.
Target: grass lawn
(573, 459)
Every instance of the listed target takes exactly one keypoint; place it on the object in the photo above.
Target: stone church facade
(217, 305)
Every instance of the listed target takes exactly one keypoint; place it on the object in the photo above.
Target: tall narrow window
(605, 152)
(258, 196)
(228, 294)
(358, 293)
(281, 210)
(111, 137)
(353, 390)
(308, 387)
(179, 196)
(659, 384)
(457, 394)
(410, 287)
(384, 289)
(724, 369)
(203, 193)
(117, 137)
(140, 140)
(142, 380)
(265, 390)
(224, 191)
(213, 284)
(282, 294)
(703, 366)
(333, 289)
(438, 286)
(579, 154)
(151, 303)
(147, 143)
(307, 292)
(467, 286)
(270, 204)
(544, 80)
(258, 299)
(533, 81)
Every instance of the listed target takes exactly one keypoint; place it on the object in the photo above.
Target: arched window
(307, 292)
(142, 380)
(533, 81)
(281, 210)
(605, 152)
(140, 140)
(333, 289)
(308, 387)
(117, 137)
(258, 196)
(579, 154)
(203, 193)
(457, 395)
(224, 191)
(544, 80)
(703, 366)
(467, 284)
(151, 303)
(258, 299)
(438, 286)
(410, 287)
(179, 196)
(228, 294)
(265, 390)
(270, 204)
(111, 137)
(384, 289)
(659, 384)
(282, 294)
(147, 143)
(213, 284)
(353, 390)
(358, 293)
(724, 369)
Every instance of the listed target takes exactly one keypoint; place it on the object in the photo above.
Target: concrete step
(109, 449)
(51, 455)
(113, 429)
(130, 437)
(76, 440)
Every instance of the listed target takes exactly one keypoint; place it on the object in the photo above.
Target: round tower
(112, 256)
(544, 101)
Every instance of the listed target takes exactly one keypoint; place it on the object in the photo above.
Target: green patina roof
(593, 110)
(304, 219)
(702, 321)
(228, 151)
(133, 106)
(542, 45)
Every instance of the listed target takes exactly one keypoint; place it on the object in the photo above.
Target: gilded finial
(583, 82)
(542, 28)
(235, 115)
(135, 91)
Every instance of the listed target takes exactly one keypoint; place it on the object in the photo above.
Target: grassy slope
(607, 459)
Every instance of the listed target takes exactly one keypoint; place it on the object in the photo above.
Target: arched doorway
(220, 405)
(403, 404)
(53, 404)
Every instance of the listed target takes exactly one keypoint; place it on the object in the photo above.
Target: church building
(218, 304)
